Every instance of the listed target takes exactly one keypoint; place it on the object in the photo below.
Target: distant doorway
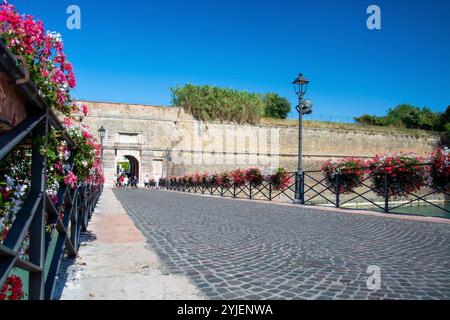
(158, 168)
(129, 166)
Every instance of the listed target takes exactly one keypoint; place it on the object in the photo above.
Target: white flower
(55, 36)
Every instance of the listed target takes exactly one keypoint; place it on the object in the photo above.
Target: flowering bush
(440, 169)
(173, 180)
(280, 180)
(254, 177)
(12, 289)
(405, 174)
(43, 52)
(58, 155)
(238, 178)
(350, 171)
(53, 76)
(70, 179)
(197, 180)
(87, 155)
(206, 180)
(216, 180)
(15, 170)
(226, 180)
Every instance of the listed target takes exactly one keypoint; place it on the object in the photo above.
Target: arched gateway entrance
(129, 164)
(134, 166)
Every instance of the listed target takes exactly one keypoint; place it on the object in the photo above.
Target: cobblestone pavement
(242, 250)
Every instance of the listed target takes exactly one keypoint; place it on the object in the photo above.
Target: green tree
(407, 116)
(275, 106)
(412, 117)
(445, 119)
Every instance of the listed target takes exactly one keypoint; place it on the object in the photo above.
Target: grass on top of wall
(348, 126)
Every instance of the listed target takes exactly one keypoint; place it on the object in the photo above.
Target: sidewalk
(115, 263)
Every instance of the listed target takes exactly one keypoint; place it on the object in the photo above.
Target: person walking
(146, 181)
(125, 182)
(157, 181)
(121, 181)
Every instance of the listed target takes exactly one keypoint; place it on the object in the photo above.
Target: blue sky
(134, 51)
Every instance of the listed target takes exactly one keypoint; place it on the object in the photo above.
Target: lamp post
(300, 86)
(101, 134)
(168, 159)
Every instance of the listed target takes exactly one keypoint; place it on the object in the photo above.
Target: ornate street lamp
(300, 86)
(101, 134)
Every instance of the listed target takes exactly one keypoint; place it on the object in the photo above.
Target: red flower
(12, 289)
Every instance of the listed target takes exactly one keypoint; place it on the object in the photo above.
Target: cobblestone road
(242, 250)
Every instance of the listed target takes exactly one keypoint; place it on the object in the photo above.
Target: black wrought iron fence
(266, 190)
(386, 196)
(51, 229)
(380, 194)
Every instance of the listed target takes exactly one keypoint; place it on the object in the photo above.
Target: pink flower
(84, 109)
(71, 179)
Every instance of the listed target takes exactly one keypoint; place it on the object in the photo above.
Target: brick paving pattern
(242, 250)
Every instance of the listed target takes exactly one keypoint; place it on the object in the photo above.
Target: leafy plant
(254, 177)
(209, 103)
(275, 106)
(280, 180)
(238, 178)
(349, 171)
(405, 174)
(407, 116)
(43, 52)
(440, 169)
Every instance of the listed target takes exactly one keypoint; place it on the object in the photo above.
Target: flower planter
(404, 174)
(440, 170)
(280, 180)
(344, 175)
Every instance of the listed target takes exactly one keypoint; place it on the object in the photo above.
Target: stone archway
(134, 166)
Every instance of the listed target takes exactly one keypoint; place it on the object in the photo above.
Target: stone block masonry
(146, 132)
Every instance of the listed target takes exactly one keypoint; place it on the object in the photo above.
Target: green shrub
(407, 116)
(209, 103)
(275, 106)
(369, 120)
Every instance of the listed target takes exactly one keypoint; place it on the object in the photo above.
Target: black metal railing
(370, 197)
(315, 190)
(265, 190)
(70, 216)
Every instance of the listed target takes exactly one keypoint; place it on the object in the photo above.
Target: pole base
(298, 201)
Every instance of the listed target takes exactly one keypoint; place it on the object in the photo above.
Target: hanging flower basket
(216, 180)
(206, 180)
(280, 180)
(405, 174)
(440, 170)
(254, 177)
(197, 180)
(43, 54)
(238, 178)
(226, 180)
(349, 171)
